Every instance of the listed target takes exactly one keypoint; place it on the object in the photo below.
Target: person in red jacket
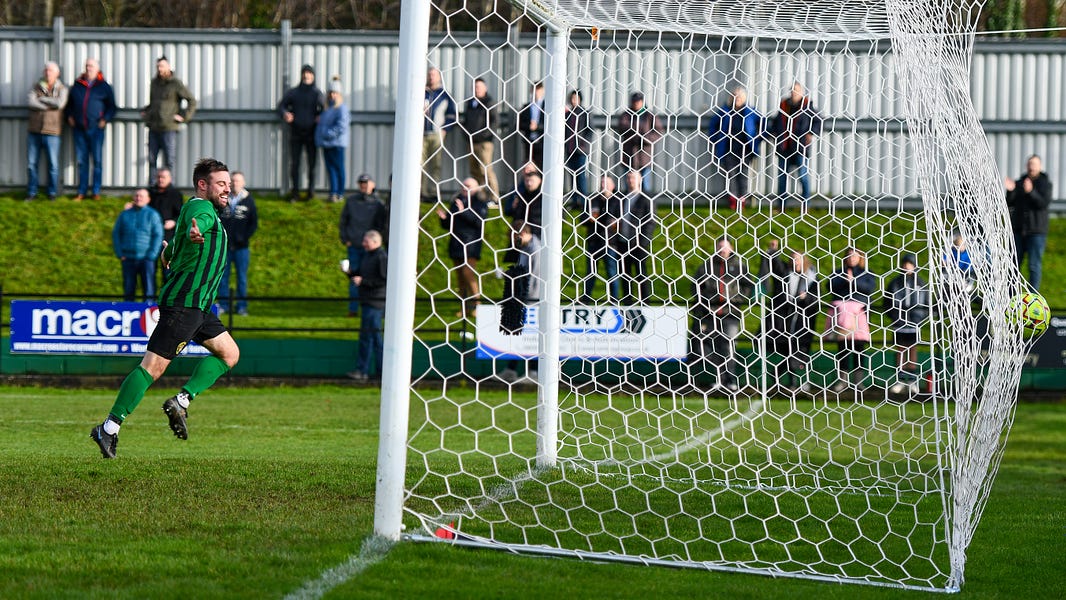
(90, 108)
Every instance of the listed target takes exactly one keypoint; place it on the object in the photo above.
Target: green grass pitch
(276, 487)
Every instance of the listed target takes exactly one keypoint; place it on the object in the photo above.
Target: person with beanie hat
(300, 108)
(332, 136)
(906, 304)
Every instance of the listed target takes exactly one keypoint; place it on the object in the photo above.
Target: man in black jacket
(300, 107)
(630, 235)
(721, 289)
(531, 125)
(370, 278)
(1029, 197)
(578, 143)
(362, 212)
(240, 219)
(167, 201)
(480, 118)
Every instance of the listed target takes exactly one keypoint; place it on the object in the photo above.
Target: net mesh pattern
(795, 361)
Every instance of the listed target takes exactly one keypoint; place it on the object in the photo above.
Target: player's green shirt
(195, 269)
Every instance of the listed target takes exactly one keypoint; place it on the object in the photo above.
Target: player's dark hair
(205, 167)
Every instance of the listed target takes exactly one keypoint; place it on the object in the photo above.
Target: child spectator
(850, 287)
(906, 304)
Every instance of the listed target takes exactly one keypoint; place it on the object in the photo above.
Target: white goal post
(770, 388)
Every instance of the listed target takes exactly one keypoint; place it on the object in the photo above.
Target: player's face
(217, 188)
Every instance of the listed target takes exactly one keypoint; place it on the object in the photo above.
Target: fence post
(284, 58)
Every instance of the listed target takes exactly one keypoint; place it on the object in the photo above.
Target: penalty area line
(374, 549)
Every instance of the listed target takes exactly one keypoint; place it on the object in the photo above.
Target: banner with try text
(56, 327)
(591, 332)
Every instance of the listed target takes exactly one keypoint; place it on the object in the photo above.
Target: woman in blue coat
(331, 134)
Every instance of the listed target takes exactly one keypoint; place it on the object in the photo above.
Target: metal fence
(239, 75)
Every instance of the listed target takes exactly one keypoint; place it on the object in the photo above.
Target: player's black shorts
(178, 325)
(906, 339)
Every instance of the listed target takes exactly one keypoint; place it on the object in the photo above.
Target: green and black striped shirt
(195, 269)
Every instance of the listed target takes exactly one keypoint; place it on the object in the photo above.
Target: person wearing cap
(331, 135)
(363, 211)
(300, 108)
(165, 116)
(639, 129)
(906, 304)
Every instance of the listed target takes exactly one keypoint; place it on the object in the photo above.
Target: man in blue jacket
(138, 239)
(90, 108)
(735, 131)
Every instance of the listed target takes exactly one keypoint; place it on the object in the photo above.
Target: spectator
(465, 221)
(774, 267)
(240, 219)
(526, 202)
(578, 144)
(794, 310)
(363, 211)
(166, 200)
(370, 279)
(521, 289)
(137, 238)
(1029, 197)
(735, 131)
(630, 236)
(958, 256)
(599, 214)
(91, 108)
(165, 116)
(793, 130)
(639, 130)
(850, 287)
(439, 119)
(519, 187)
(906, 304)
(46, 101)
(331, 135)
(480, 119)
(721, 288)
(531, 125)
(300, 107)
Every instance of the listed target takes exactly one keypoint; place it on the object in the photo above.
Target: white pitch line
(373, 551)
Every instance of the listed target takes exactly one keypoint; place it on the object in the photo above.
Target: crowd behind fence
(238, 77)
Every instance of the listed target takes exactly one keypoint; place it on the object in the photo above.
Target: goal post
(775, 361)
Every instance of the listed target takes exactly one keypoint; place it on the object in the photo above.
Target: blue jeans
(165, 142)
(1032, 245)
(370, 340)
(88, 141)
(239, 258)
(334, 159)
(784, 165)
(355, 258)
(134, 269)
(35, 143)
(609, 258)
(576, 163)
(645, 176)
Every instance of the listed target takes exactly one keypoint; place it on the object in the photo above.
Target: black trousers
(299, 145)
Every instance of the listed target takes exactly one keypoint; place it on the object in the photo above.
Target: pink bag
(848, 321)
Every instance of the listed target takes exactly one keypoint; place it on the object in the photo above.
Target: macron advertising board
(591, 332)
(73, 327)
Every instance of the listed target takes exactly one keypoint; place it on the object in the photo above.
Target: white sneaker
(913, 389)
(508, 375)
(839, 386)
(467, 335)
(897, 388)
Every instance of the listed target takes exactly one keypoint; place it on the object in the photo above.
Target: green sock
(131, 392)
(204, 376)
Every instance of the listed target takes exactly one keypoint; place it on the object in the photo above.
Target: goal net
(739, 303)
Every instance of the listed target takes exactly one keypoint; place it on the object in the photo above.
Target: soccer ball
(1032, 312)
